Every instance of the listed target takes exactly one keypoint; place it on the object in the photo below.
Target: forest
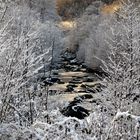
(69, 69)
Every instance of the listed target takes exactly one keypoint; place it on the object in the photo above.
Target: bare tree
(122, 66)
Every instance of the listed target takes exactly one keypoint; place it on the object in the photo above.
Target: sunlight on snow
(109, 9)
(106, 9)
(67, 24)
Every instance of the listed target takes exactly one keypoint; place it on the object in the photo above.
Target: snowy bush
(26, 51)
(87, 40)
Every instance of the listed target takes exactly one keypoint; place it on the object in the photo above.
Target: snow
(30, 39)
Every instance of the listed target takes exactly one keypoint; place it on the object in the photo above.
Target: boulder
(49, 81)
(72, 85)
(69, 89)
(73, 62)
(75, 108)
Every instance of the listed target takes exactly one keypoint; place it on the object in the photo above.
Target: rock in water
(88, 79)
(73, 62)
(83, 97)
(75, 109)
(69, 89)
(68, 56)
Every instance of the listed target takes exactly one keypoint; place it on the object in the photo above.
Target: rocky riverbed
(76, 86)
